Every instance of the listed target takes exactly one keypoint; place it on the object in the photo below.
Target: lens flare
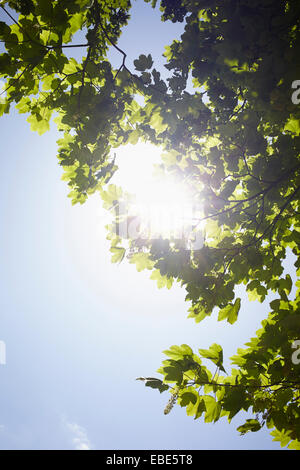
(162, 207)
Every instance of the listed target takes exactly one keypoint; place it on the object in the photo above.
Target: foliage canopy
(235, 135)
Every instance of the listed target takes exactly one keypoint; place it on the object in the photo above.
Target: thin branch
(83, 76)
(17, 78)
(283, 385)
(67, 46)
(18, 24)
(117, 48)
(238, 110)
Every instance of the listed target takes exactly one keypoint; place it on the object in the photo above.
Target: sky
(77, 329)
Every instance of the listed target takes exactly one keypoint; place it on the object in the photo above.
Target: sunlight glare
(162, 206)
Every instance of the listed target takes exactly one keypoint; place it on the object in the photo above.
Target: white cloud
(79, 436)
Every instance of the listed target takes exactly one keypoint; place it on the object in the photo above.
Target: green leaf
(233, 400)
(215, 354)
(162, 281)
(294, 445)
(155, 383)
(230, 312)
(179, 352)
(173, 373)
(143, 62)
(118, 254)
(133, 137)
(71, 67)
(252, 425)
(39, 123)
(142, 261)
(188, 397)
(111, 196)
(213, 409)
(281, 436)
(158, 123)
(293, 126)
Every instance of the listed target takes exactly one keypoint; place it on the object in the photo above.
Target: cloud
(79, 437)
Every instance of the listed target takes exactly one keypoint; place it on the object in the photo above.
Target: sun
(161, 207)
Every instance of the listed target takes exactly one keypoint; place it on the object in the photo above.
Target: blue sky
(78, 330)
